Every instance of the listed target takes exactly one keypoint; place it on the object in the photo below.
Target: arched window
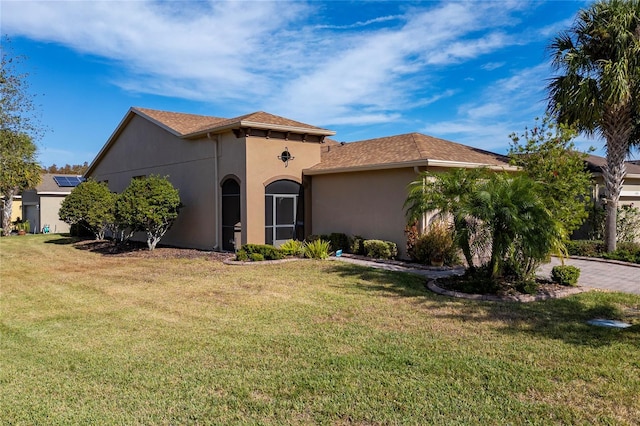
(230, 212)
(283, 212)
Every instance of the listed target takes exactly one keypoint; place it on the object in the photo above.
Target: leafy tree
(598, 89)
(68, 169)
(548, 156)
(91, 205)
(18, 127)
(150, 205)
(448, 195)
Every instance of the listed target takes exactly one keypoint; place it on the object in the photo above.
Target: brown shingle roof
(407, 148)
(181, 123)
(187, 124)
(595, 163)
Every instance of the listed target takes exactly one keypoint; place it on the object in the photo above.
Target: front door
(283, 212)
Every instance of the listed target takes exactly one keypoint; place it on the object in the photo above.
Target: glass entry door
(281, 219)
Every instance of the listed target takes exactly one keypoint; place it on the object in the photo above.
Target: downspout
(216, 191)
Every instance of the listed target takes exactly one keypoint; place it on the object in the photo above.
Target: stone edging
(602, 260)
(525, 298)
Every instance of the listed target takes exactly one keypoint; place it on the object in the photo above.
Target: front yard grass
(96, 339)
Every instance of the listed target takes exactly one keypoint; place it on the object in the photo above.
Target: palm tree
(448, 194)
(598, 89)
(522, 230)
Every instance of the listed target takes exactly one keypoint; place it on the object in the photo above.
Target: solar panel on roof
(68, 181)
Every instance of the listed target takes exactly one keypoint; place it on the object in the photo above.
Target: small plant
(436, 245)
(317, 249)
(357, 245)
(292, 248)
(242, 256)
(23, 226)
(565, 275)
(379, 249)
(267, 251)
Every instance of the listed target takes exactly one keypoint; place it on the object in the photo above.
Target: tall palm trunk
(6, 212)
(617, 129)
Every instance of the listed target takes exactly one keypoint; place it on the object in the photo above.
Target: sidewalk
(593, 273)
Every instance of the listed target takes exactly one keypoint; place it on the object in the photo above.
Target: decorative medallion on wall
(286, 156)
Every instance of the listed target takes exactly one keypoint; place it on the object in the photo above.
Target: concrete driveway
(596, 273)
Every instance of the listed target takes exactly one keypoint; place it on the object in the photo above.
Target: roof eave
(405, 164)
(258, 125)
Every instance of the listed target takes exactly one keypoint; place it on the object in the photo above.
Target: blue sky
(471, 72)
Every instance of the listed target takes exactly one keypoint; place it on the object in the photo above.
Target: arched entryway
(230, 212)
(284, 212)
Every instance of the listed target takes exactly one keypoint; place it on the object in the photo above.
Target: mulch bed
(140, 250)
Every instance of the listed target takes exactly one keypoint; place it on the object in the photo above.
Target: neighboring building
(16, 207)
(40, 205)
(630, 193)
(273, 178)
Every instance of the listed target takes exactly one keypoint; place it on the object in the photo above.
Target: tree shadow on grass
(562, 319)
(64, 240)
(392, 283)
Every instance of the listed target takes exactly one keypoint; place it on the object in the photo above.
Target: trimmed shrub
(339, 241)
(626, 252)
(588, 248)
(317, 249)
(242, 256)
(565, 275)
(357, 245)
(379, 249)
(267, 251)
(256, 257)
(292, 248)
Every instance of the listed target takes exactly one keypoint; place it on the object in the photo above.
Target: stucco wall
(143, 149)
(263, 167)
(49, 208)
(367, 203)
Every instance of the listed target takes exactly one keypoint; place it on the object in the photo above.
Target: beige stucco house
(630, 193)
(40, 205)
(272, 177)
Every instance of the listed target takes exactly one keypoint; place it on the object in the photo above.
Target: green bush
(626, 252)
(292, 248)
(588, 248)
(339, 241)
(256, 257)
(267, 251)
(436, 243)
(242, 256)
(317, 249)
(357, 245)
(565, 275)
(379, 249)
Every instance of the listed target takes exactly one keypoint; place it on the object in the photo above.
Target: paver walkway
(601, 274)
(593, 273)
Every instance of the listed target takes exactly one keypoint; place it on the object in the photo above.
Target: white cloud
(505, 106)
(237, 51)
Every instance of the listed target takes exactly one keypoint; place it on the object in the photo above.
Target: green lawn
(96, 339)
